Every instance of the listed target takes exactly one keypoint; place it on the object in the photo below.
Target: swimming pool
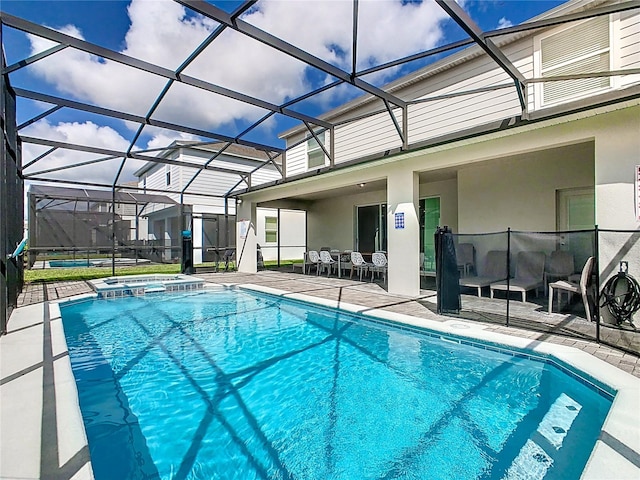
(229, 384)
(94, 262)
(69, 263)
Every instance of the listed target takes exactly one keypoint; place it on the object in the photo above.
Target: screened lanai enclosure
(81, 227)
(126, 144)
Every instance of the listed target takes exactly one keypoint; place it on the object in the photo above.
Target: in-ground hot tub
(143, 284)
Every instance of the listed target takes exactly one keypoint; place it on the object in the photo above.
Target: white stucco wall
(246, 255)
(331, 222)
(520, 191)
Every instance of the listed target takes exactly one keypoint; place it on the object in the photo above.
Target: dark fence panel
(11, 205)
(554, 283)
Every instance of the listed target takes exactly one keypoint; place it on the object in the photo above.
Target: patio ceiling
(85, 160)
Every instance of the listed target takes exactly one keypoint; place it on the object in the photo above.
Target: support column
(246, 244)
(403, 233)
(167, 240)
(197, 240)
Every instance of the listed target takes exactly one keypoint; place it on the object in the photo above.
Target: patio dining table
(338, 256)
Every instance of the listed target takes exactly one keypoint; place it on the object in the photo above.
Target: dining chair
(465, 255)
(573, 287)
(314, 259)
(326, 262)
(358, 263)
(379, 260)
(560, 266)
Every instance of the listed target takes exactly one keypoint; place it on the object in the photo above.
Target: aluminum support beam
(573, 17)
(577, 76)
(354, 37)
(416, 56)
(401, 133)
(39, 157)
(33, 59)
(136, 118)
(469, 26)
(69, 166)
(206, 164)
(39, 117)
(320, 143)
(88, 47)
(249, 30)
(115, 153)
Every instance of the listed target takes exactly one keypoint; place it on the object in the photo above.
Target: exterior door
(576, 211)
(371, 228)
(429, 220)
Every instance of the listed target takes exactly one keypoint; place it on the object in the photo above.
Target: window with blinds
(585, 48)
(315, 154)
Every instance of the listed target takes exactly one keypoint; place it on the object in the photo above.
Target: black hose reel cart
(621, 296)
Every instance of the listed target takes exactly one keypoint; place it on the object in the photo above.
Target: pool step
(154, 288)
(533, 461)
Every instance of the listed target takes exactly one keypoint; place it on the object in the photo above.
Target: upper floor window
(584, 48)
(167, 172)
(315, 154)
(271, 229)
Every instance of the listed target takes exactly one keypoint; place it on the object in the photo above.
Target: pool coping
(617, 449)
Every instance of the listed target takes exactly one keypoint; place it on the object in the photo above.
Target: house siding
(629, 46)
(368, 136)
(297, 160)
(433, 119)
(442, 117)
(156, 178)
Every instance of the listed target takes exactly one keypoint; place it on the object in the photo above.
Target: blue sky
(163, 32)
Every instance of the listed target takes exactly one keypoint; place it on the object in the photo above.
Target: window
(270, 229)
(144, 184)
(585, 48)
(167, 172)
(315, 154)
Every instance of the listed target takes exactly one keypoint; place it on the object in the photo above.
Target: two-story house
(543, 136)
(212, 218)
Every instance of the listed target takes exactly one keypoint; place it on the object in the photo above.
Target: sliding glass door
(371, 228)
(429, 221)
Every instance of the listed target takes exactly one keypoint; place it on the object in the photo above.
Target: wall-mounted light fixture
(238, 201)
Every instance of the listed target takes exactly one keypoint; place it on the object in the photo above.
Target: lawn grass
(89, 273)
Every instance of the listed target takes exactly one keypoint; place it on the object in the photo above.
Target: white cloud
(504, 23)
(161, 32)
(165, 137)
(88, 134)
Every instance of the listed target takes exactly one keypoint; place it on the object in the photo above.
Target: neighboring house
(469, 153)
(200, 196)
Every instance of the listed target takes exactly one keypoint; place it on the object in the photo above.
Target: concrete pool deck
(41, 431)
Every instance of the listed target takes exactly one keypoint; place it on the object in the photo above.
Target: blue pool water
(69, 263)
(233, 385)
